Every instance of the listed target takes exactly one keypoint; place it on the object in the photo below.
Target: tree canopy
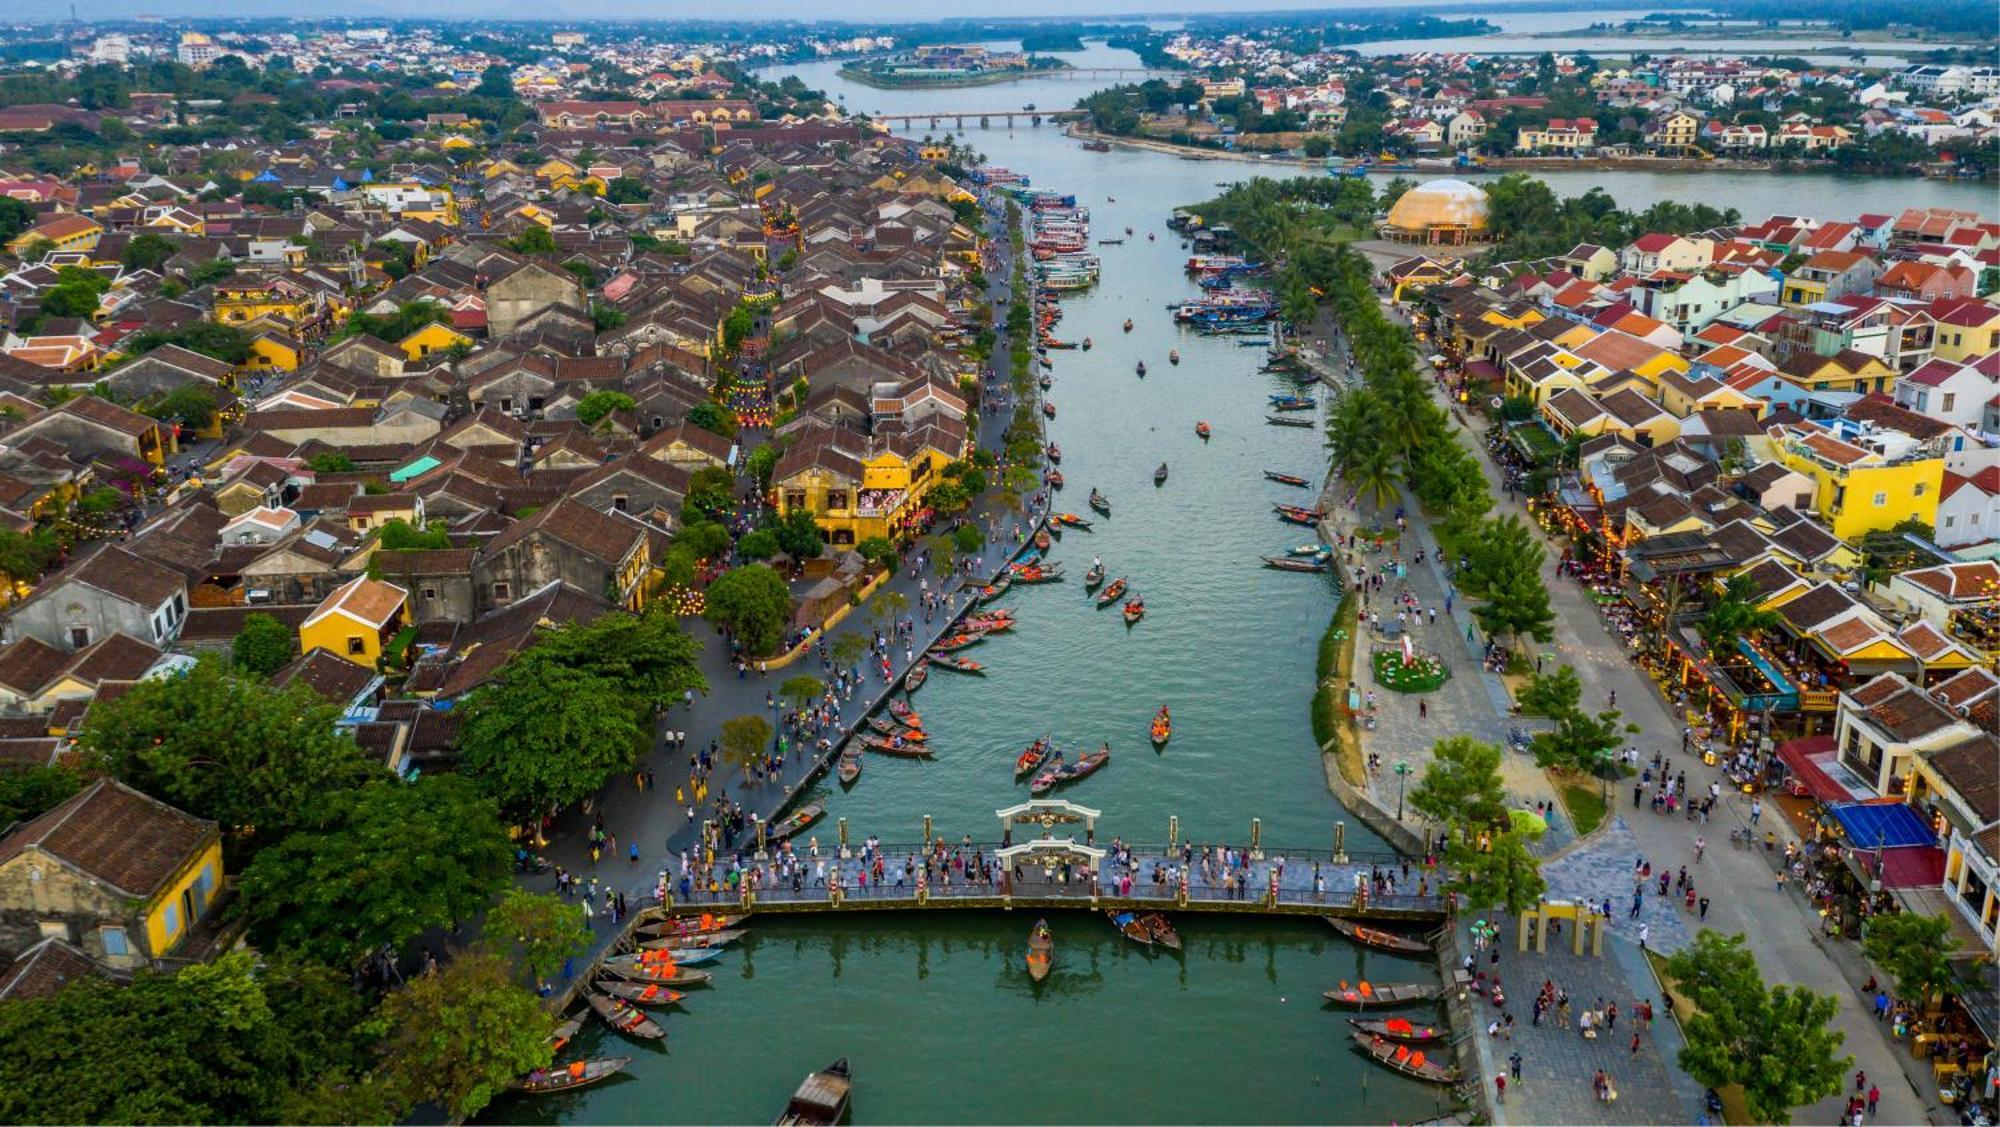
(264, 644)
(1461, 787)
(1773, 1040)
(459, 1037)
(380, 866)
(222, 743)
(753, 603)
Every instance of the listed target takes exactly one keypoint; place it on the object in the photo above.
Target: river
(935, 1012)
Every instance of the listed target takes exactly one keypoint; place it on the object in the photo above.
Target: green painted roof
(418, 468)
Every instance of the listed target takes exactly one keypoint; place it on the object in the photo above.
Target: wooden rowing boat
(794, 822)
(1112, 593)
(1399, 1029)
(1092, 578)
(1390, 994)
(1048, 408)
(958, 664)
(565, 1033)
(1041, 951)
(1131, 927)
(621, 1016)
(1297, 514)
(1135, 610)
(1410, 1062)
(1087, 766)
(1380, 940)
(821, 1098)
(665, 975)
(990, 621)
(694, 942)
(1100, 503)
(997, 588)
(1314, 549)
(1162, 931)
(1032, 757)
(1163, 727)
(1055, 453)
(1287, 421)
(900, 748)
(647, 994)
(1290, 563)
(1042, 539)
(1173, 355)
(953, 642)
(918, 674)
(1201, 429)
(695, 925)
(1285, 478)
(1032, 574)
(1055, 479)
(1140, 368)
(578, 1074)
(1070, 520)
(665, 960)
(904, 714)
(1160, 475)
(890, 728)
(849, 768)
(1045, 779)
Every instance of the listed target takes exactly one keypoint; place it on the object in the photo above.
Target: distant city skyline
(589, 10)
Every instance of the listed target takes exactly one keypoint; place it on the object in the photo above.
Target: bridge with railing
(982, 118)
(1047, 871)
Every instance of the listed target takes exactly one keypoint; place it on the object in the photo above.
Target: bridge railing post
(1340, 843)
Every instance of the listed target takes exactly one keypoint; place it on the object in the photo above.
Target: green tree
(29, 791)
(24, 556)
(191, 403)
(759, 545)
(760, 462)
(648, 656)
(264, 644)
(1735, 614)
(754, 604)
(330, 461)
(736, 327)
(543, 928)
(1505, 570)
(212, 1043)
(714, 418)
(547, 734)
(706, 539)
(381, 866)
(1505, 875)
(1461, 787)
(399, 535)
(880, 551)
(626, 190)
(591, 409)
(1581, 742)
(1774, 1041)
(745, 740)
(799, 535)
(802, 690)
(221, 743)
(967, 539)
(1552, 694)
(71, 299)
(535, 239)
(147, 250)
(1915, 949)
(459, 1037)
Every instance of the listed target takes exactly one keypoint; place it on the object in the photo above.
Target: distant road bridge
(982, 118)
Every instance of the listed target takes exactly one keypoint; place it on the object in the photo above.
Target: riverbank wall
(873, 80)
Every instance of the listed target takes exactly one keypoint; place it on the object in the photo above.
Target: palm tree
(1736, 614)
(1376, 474)
(1350, 429)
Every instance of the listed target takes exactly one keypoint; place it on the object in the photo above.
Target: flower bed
(1423, 674)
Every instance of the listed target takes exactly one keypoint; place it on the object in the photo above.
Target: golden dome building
(1438, 212)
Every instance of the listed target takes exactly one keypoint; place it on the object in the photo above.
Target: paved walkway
(1781, 926)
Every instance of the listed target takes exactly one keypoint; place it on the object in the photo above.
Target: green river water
(935, 1013)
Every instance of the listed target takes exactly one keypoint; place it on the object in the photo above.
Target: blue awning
(1886, 825)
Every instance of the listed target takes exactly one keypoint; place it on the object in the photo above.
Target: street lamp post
(1402, 774)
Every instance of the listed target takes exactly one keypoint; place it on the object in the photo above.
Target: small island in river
(946, 65)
